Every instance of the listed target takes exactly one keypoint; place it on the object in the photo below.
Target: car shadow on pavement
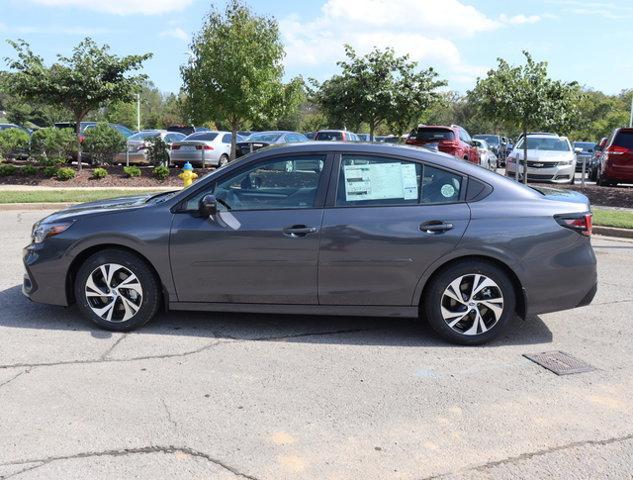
(19, 312)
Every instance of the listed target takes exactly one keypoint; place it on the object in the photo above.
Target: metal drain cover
(560, 363)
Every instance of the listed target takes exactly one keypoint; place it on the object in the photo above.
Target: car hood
(545, 155)
(100, 206)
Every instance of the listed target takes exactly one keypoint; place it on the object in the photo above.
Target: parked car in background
(616, 161)
(452, 139)
(262, 236)
(203, 149)
(594, 164)
(496, 143)
(264, 139)
(487, 157)
(187, 129)
(364, 137)
(7, 126)
(336, 136)
(550, 158)
(584, 153)
(137, 144)
(310, 135)
(84, 126)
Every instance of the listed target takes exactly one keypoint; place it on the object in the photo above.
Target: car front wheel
(117, 290)
(470, 302)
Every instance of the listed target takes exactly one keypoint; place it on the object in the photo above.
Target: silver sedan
(203, 149)
(136, 147)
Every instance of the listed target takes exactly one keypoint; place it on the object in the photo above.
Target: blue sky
(582, 40)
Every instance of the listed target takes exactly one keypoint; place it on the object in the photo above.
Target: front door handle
(298, 231)
(435, 226)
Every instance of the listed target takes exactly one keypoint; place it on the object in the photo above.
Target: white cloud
(175, 32)
(53, 30)
(519, 19)
(121, 7)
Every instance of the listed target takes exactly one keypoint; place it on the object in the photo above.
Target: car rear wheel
(117, 290)
(470, 302)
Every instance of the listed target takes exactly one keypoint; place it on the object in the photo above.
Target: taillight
(175, 147)
(581, 223)
(616, 150)
(204, 147)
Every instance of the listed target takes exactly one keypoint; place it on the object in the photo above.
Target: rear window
(432, 134)
(204, 136)
(624, 139)
(329, 136)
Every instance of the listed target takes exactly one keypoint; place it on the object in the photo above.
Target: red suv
(616, 162)
(453, 140)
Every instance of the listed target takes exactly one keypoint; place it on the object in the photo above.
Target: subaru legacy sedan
(329, 229)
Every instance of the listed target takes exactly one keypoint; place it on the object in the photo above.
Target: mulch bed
(620, 196)
(115, 178)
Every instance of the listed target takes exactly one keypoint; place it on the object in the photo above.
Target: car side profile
(324, 228)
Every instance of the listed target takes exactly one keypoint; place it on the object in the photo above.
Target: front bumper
(45, 276)
(557, 174)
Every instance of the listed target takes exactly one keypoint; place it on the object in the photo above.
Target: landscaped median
(67, 195)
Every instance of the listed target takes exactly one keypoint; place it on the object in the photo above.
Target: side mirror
(208, 206)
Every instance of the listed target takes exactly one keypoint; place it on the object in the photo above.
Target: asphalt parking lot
(196, 395)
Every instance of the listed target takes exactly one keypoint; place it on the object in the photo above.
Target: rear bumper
(135, 158)
(195, 158)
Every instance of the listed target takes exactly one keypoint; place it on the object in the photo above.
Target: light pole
(138, 112)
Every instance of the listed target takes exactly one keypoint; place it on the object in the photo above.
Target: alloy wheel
(113, 292)
(472, 304)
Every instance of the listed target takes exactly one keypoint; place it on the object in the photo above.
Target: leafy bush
(52, 161)
(99, 173)
(65, 173)
(102, 143)
(13, 139)
(161, 172)
(132, 171)
(7, 169)
(157, 152)
(53, 142)
(50, 171)
(28, 170)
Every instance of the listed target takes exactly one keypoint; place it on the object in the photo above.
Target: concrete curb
(34, 206)
(613, 232)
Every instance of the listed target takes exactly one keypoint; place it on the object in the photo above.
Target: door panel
(376, 255)
(246, 257)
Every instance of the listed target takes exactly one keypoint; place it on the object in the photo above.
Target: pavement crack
(6, 382)
(316, 334)
(169, 417)
(169, 449)
(113, 346)
(530, 455)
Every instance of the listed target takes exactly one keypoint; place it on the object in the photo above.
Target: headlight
(566, 162)
(44, 230)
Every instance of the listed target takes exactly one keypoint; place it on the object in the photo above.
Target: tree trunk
(525, 149)
(371, 131)
(78, 119)
(234, 127)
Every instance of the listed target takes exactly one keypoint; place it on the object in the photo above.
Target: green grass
(65, 196)
(613, 218)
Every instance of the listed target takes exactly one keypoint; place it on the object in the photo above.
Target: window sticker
(447, 190)
(380, 181)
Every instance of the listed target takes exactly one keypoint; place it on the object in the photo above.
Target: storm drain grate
(560, 363)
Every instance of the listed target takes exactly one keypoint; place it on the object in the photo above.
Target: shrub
(99, 173)
(161, 172)
(65, 173)
(28, 170)
(7, 169)
(50, 171)
(132, 171)
(52, 161)
(54, 142)
(13, 139)
(102, 143)
(157, 152)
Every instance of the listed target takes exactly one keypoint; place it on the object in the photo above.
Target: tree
(378, 88)
(526, 97)
(235, 72)
(84, 82)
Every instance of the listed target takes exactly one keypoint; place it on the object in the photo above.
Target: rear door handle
(298, 231)
(435, 226)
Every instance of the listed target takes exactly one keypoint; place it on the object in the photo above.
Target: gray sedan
(368, 230)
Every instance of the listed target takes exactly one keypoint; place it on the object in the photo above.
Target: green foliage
(157, 151)
(378, 88)
(235, 71)
(65, 173)
(102, 143)
(53, 143)
(87, 80)
(132, 171)
(50, 171)
(99, 173)
(161, 172)
(28, 170)
(7, 169)
(12, 139)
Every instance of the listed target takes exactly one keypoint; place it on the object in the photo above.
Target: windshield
(555, 144)
(586, 146)
(490, 139)
(144, 135)
(264, 137)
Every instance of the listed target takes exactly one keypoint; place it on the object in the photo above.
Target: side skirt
(342, 310)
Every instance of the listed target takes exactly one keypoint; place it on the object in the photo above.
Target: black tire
(224, 159)
(149, 302)
(433, 297)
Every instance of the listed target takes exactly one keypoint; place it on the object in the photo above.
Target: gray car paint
(373, 261)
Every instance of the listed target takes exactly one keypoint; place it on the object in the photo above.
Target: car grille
(535, 164)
